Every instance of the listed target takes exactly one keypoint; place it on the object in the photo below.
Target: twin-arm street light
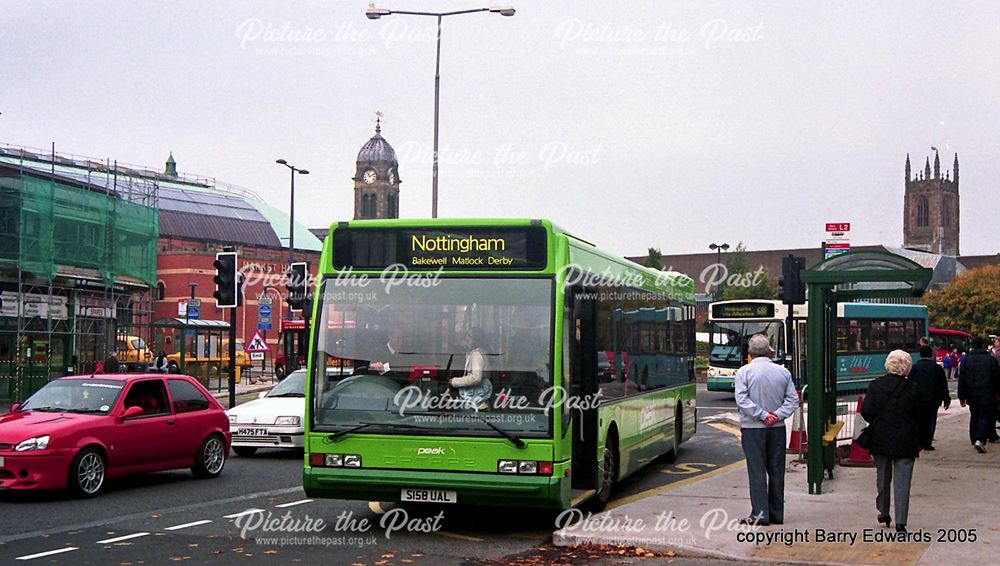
(291, 216)
(374, 13)
(718, 248)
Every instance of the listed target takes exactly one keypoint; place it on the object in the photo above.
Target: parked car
(132, 354)
(274, 420)
(221, 360)
(77, 432)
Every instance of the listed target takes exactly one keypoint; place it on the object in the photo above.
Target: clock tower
(376, 179)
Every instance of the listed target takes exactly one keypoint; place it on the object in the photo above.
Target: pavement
(953, 503)
(245, 387)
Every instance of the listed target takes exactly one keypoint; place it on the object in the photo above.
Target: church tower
(931, 208)
(376, 179)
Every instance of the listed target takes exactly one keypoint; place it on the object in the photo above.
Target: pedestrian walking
(978, 387)
(931, 389)
(946, 364)
(954, 364)
(890, 406)
(996, 349)
(765, 396)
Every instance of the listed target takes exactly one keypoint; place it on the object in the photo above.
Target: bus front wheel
(608, 472)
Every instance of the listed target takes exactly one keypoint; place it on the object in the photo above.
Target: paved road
(172, 517)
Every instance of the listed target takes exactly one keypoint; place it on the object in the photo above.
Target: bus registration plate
(429, 496)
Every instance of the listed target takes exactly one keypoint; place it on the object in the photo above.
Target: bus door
(583, 371)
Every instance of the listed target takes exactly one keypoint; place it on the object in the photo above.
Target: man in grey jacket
(765, 396)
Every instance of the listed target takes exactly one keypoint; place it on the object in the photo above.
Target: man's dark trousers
(764, 449)
(981, 422)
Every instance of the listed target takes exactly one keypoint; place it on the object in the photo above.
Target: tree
(742, 282)
(970, 303)
(654, 259)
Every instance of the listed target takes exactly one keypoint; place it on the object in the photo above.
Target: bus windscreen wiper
(341, 433)
(513, 439)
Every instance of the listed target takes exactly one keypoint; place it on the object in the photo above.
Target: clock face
(369, 176)
(392, 177)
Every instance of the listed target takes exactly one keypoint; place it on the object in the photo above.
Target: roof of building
(191, 207)
(377, 149)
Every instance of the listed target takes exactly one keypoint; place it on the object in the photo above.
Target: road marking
(48, 553)
(119, 539)
(144, 515)
(241, 513)
(458, 536)
(294, 503)
(186, 525)
(675, 485)
(692, 468)
(727, 428)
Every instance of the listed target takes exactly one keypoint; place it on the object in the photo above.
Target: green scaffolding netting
(45, 224)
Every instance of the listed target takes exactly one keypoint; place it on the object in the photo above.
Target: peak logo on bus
(430, 451)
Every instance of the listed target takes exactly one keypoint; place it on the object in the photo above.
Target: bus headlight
(712, 372)
(335, 460)
(532, 467)
(526, 467)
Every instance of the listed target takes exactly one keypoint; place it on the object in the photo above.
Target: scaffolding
(77, 265)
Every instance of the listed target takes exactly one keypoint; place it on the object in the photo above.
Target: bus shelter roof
(870, 274)
(195, 324)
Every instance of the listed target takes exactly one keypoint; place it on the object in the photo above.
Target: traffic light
(226, 281)
(297, 285)
(791, 289)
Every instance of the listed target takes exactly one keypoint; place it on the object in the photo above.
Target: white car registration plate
(429, 496)
(251, 432)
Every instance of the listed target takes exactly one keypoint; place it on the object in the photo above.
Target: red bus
(944, 340)
(292, 353)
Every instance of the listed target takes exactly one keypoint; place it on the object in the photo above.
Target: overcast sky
(667, 124)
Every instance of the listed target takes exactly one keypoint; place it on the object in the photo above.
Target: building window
(945, 214)
(923, 212)
(161, 291)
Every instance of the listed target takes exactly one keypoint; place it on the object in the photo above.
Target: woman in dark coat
(890, 407)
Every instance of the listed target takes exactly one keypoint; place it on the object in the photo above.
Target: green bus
(469, 361)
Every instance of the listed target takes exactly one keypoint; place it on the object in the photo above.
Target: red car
(77, 432)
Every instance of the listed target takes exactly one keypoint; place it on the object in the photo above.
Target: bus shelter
(199, 349)
(840, 279)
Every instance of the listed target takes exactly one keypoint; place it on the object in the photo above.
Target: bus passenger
(763, 410)
(891, 409)
(474, 388)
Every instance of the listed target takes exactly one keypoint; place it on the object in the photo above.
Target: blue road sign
(262, 326)
(194, 312)
(264, 310)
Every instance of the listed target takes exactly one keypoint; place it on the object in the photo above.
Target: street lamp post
(291, 216)
(374, 13)
(718, 248)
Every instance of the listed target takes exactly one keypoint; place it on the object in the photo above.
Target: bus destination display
(486, 249)
(743, 310)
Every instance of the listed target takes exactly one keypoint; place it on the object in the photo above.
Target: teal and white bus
(866, 333)
(401, 307)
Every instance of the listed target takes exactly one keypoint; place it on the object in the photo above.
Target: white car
(274, 420)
